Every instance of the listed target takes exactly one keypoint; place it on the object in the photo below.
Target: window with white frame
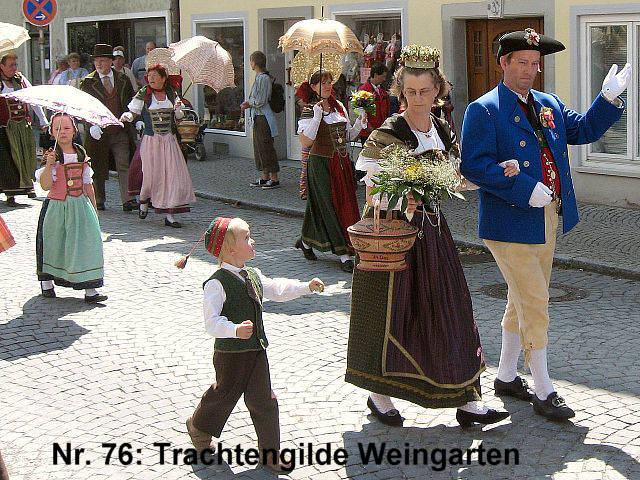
(607, 40)
(222, 109)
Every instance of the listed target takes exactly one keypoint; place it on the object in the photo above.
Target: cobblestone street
(132, 370)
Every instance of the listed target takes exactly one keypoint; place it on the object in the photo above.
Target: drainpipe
(174, 8)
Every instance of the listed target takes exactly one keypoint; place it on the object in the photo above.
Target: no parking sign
(39, 12)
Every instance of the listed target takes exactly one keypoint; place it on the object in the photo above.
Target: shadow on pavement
(555, 445)
(41, 329)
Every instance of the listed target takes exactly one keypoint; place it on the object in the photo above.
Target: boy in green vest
(233, 314)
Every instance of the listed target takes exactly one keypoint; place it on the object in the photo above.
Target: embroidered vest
(69, 176)
(238, 307)
(331, 139)
(12, 110)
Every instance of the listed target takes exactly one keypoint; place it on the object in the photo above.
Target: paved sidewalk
(606, 240)
(132, 370)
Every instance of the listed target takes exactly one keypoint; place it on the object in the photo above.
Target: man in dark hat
(114, 90)
(518, 216)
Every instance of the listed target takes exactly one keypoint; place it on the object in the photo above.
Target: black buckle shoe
(31, 194)
(167, 223)
(347, 266)
(467, 419)
(391, 418)
(95, 298)
(553, 408)
(517, 388)
(307, 252)
(130, 205)
(48, 293)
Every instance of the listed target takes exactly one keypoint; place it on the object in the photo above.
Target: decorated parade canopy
(11, 37)
(205, 61)
(67, 99)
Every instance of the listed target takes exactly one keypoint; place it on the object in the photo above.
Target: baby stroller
(191, 135)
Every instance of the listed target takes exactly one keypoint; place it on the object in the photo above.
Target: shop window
(221, 109)
(609, 39)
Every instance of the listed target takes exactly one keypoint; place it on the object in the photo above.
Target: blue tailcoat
(495, 129)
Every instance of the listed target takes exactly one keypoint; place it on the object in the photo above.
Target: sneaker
(270, 184)
(258, 183)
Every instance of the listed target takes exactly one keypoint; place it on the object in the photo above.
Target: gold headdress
(420, 56)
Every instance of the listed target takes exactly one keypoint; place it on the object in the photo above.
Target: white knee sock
(508, 366)
(144, 207)
(541, 381)
(90, 292)
(170, 218)
(46, 284)
(475, 406)
(344, 258)
(305, 245)
(382, 402)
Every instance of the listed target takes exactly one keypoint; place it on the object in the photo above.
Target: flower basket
(382, 243)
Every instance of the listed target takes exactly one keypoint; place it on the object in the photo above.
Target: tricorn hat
(102, 50)
(527, 39)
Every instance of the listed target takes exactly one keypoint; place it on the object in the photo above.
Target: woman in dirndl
(332, 206)
(412, 333)
(68, 241)
(166, 182)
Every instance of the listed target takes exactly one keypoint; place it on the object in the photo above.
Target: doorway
(483, 72)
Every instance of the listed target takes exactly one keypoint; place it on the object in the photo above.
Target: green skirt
(17, 158)
(68, 244)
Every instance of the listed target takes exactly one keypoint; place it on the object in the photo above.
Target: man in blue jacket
(518, 216)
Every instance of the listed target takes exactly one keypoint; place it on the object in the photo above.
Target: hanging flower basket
(382, 243)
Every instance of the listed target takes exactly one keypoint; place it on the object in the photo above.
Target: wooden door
(483, 72)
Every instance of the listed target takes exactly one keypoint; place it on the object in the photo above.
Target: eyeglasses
(423, 92)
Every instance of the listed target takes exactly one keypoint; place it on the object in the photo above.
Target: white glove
(139, 125)
(541, 196)
(615, 83)
(363, 119)
(512, 162)
(126, 117)
(312, 130)
(96, 132)
(177, 108)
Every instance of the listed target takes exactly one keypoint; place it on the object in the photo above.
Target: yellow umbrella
(320, 36)
(304, 65)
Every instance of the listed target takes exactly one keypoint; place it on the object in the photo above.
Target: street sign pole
(43, 78)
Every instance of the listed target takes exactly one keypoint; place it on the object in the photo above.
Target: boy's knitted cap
(214, 235)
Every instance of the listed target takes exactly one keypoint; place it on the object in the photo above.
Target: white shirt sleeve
(41, 170)
(215, 324)
(136, 105)
(369, 165)
(282, 289)
(354, 131)
(87, 174)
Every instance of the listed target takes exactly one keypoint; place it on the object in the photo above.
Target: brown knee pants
(237, 374)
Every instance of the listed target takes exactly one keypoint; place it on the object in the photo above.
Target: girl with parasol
(166, 182)
(412, 333)
(68, 242)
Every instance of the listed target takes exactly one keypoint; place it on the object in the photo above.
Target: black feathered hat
(527, 39)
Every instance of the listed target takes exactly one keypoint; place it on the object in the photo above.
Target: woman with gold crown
(332, 206)
(412, 333)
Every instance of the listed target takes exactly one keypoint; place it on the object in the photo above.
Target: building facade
(80, 24)
(595, 33)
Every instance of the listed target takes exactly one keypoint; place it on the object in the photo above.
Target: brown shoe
(279, 468)
(199, 439)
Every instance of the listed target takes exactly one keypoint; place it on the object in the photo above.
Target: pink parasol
(67, 99)
(205, 61)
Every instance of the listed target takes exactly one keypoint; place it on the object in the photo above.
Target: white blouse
(426, 141)
(136, 105)
(334, 117)
(87, 173)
